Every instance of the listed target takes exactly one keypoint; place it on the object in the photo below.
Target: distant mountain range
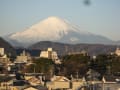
(62, 49)
(57, 30)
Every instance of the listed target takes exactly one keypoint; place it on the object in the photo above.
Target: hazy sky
(100, 17)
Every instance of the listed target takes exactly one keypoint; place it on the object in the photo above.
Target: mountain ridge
(63, 49)
(57, 30)
(9, 49)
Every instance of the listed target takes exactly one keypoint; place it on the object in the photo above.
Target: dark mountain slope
(8, 48)
(61, 48)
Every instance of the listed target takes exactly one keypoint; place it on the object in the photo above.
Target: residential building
(50, 54)
(117, 52)
(3, 57)
(61, 82)
(83, 52)
(1, 51)
(23, 58)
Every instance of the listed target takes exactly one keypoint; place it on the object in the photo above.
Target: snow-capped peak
(50, 29)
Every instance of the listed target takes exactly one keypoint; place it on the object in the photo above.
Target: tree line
(77, 64)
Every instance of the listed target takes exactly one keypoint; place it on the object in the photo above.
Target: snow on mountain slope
(56, 29)
(52, 28)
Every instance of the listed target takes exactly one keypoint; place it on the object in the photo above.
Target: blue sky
(100, 17)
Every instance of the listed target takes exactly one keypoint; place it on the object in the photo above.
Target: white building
(117, 52)
(23, 58)
(3, 56)
(83, 52)
(1, 51)
(50, 54)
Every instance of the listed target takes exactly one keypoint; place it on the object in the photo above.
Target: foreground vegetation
(77, 64)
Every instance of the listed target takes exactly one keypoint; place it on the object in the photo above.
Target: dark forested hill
(8, 48)
(61, 48)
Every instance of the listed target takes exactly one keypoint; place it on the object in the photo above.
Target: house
(58, 82)
(34, 81)
(6, 82)
(61, 82)
(30, 88)
(39, 87)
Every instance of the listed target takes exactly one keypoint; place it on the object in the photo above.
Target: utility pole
(103, 81)
(103, 86)
(77, 76)
(34, 69)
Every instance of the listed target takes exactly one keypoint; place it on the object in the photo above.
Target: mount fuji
(57, 30)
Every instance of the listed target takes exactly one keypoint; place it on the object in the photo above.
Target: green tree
(75, 63)
(100, 64)
(41, 65)
(115, 64)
